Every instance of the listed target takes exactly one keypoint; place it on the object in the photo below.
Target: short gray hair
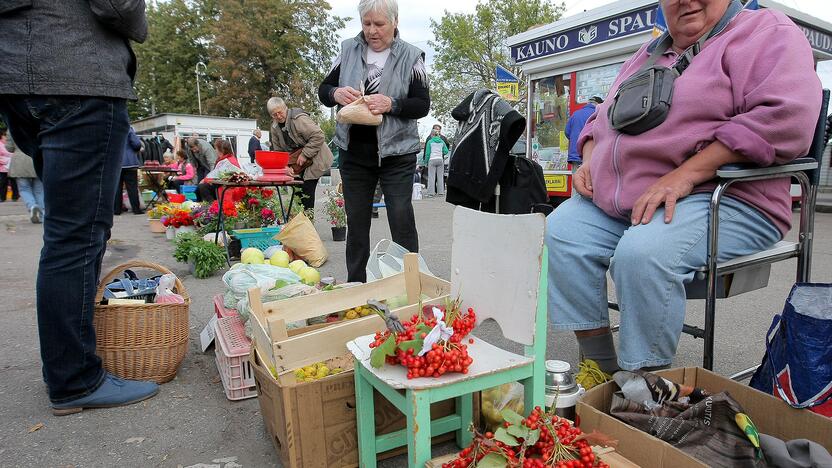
(390, 8)
(274, 103)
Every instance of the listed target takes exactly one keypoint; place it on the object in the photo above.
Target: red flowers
(178, 219)
(267, 193)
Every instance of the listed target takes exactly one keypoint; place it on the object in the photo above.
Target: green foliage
(469, 46)
(207, 257)
(379, 353)
(183, 244)
(253, 50)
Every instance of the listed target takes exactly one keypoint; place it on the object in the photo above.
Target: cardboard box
(771, 415)
(312, 424)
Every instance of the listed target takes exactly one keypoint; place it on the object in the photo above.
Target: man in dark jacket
(129, 175)
(66, 72)
(254, 145)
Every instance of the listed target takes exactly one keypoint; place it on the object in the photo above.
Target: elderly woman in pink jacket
(749, 93)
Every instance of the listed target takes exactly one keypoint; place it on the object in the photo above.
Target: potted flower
(154, 218)
(337, 216)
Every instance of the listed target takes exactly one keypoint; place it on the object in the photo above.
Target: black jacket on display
(487, 129)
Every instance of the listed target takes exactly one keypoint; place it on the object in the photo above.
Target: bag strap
(772, 331)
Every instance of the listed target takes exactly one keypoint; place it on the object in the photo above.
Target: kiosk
(569, 61)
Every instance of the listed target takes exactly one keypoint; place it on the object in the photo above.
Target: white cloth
(436, 150)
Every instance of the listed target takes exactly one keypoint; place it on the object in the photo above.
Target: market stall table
(218, 184)
(157, 184)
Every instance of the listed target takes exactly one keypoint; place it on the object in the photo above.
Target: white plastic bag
(223, 167)
(417, 191)
(241, 278)
(387, 259)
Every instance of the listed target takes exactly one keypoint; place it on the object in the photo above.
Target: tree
(264, 48)
(469, 46)
(177, 41)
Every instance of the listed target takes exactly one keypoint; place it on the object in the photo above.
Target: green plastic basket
(261, 238)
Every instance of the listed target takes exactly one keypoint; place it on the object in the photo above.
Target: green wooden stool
(498, 267)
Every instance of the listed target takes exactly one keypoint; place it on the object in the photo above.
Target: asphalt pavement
(191, 423)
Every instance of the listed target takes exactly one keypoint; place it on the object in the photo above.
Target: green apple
(297, 265)
(280, 259)
(252, 256)
(310, 276)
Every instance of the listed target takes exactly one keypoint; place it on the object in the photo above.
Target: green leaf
(422, 328)
(415, 345)
(519, 431)
(533, 437)
(492, 460)
(503, 436)
(388, 348)
(512, 417)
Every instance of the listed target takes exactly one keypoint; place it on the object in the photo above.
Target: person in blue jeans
(74, 125)
(31, 188)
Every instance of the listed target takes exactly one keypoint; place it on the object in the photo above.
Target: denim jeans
(360, 173)
(77, 145)
(31, 191)
(649, 265)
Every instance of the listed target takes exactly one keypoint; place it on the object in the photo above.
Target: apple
(309, 275)
(297, 265)
(252, 256)
(280, 259)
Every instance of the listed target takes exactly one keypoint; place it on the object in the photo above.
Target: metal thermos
(561, 389)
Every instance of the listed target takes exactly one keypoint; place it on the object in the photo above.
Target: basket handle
(117, 271)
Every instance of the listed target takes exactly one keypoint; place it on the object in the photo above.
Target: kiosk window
(550, 111)
(595, 81)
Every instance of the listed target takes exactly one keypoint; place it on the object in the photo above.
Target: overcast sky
(415, 16)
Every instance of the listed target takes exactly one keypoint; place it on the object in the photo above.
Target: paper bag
(301, 237)
(358, 113)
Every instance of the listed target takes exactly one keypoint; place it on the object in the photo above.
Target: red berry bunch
(541, 440)
(443, 357)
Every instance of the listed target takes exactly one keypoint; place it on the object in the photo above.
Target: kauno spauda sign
(611, 28)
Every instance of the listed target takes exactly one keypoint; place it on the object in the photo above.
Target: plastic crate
(231, 354)
(188, 189)
(261, 238)
(190, 196)
(221, 310)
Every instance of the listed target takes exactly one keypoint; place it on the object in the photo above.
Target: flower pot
(184, 229)
(170, 232)
(156, 226)
(339, 233)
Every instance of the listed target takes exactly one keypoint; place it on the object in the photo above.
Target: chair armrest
(743, 170)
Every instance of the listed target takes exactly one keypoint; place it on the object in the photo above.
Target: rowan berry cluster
(444, 356)
(541, 440)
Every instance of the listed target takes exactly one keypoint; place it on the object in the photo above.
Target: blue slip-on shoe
(114, 391)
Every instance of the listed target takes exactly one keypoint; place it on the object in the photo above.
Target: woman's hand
(378, 103)
(346, 95)
(672, 187)
(302, 160)
(582, 181)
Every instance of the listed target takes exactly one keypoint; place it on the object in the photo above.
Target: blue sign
(608, 29)
(505, 76)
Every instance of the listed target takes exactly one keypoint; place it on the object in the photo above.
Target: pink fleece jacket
(752, 87)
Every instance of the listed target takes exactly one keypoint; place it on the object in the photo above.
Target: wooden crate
(312, 424)
(286, 350)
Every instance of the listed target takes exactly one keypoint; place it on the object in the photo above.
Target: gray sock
(656, 368)
(601, 349)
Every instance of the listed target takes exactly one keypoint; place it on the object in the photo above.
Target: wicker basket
(142, 341)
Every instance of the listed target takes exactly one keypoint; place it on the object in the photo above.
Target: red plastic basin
(272, 159)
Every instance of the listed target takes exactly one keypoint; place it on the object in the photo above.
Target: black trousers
(130, 178)
(307, 194)
(5, 181)
(205, 192)
(360, 172)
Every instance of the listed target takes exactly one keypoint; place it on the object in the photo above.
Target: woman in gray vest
(391, 73)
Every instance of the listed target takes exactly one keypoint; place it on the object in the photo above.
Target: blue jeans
(649, 265)
(77, 145)
(31, 190)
